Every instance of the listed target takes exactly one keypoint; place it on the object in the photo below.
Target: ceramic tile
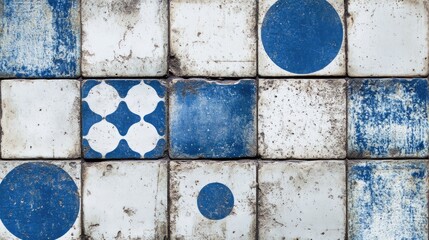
(211, 119)
(213, 38)
(124, 38)
(125, 200)
(213, 200)
(40, 39)
(40, 200)
(40, 119)
(123, 119)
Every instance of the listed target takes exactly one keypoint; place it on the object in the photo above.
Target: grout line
(346, 161)
(168, 201)
(167, 118)
(257, 201)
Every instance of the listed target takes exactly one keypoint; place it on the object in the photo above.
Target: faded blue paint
(157, 118)
(89, 84)
(38, 201)
(302, 36)
(387, 118)
(123, 118)
(158, 150)
(39, 38)
(88, 152)
(215, 201)
(123, 86)
(388, 200)
(212, 120)
(91, 118)
(159, 88)
(122, 150)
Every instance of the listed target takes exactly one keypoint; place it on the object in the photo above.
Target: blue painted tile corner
(388, 118)
(212, 119)
(388, 200)
(123, 119)
(40, 39)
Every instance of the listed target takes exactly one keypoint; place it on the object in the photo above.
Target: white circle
(142, 137)
(103, 99)
(142, 99)
(103, 137)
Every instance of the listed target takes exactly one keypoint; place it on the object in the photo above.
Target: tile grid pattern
(256, 159)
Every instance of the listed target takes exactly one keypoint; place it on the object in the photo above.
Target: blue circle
(38, 201)
(215, 201)
(302, 36)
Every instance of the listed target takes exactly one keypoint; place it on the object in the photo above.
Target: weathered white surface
(300, 118)
(125, 200)
(267, 67)
(124, 37)
(388, 38)
(73, 169)
(302, 200)
(40, 119)
(188, 178)
(213, 38)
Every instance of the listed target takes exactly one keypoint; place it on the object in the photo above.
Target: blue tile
(123, 119)
(40, 38)
(388, 200)
(212, 119)
(387, 118)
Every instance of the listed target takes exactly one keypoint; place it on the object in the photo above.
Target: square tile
(214, 38)
(40, 200)
(213, 200)
(40, 38)
(40, 119)
(301, 38)
(124, 38)
(388, 118)
(210, 119)
(388, 200)
(388, 38)
(302, 200)
(123, 119)
(125, 200)
(302, 118)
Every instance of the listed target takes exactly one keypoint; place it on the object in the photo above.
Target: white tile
(124, 37)
(388, 38)
(213, 38)
(302, 118)
(125, 200)
(40, 119)
(302, 200)
(225, 192)
(301, 38)
(40, 200)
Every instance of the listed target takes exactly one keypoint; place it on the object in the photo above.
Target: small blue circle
(215, 201)
(302, 36)
(38, 201)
